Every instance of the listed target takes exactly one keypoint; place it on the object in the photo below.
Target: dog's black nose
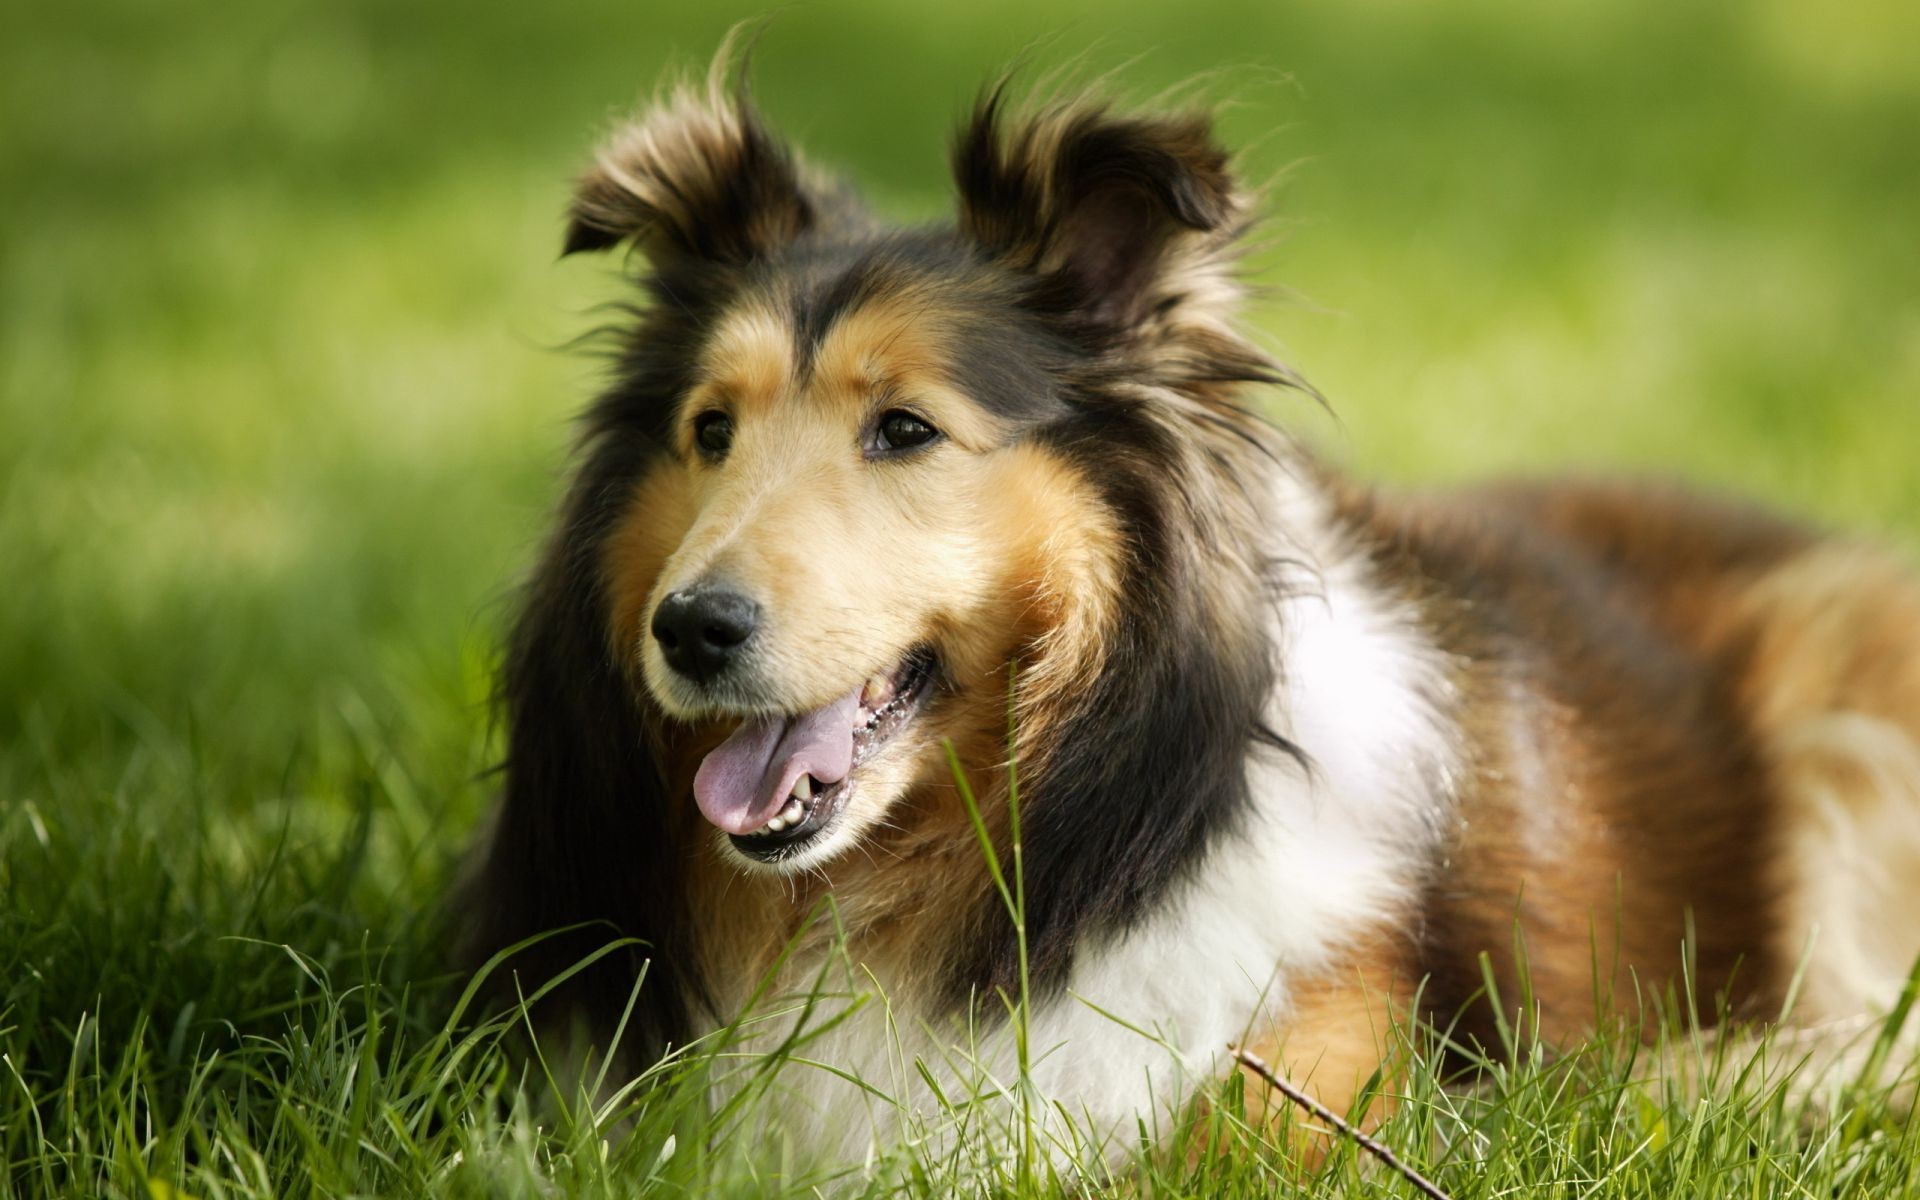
(702, 629)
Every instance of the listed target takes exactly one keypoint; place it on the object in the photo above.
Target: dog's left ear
(1106, 210)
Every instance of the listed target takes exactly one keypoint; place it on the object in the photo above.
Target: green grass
(282, 406)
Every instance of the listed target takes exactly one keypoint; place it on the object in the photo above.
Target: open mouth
(779, 782)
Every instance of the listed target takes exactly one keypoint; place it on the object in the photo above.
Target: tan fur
(1336, 1035)
(820, 535)
(998, 553)
(1335, 1038)
(749, 361)
(659, 513)
(918, 867)
(897, 346)
(1833, 687)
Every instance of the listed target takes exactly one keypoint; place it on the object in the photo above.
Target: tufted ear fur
(1111, 213)
(696, 177)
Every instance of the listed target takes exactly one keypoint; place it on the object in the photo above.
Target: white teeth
(878, 691)
(802, 788)
(789, 814)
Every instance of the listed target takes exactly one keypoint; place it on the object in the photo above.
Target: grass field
(283, 400)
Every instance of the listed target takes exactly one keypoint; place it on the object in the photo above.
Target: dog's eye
(901, 430)
(713, 433)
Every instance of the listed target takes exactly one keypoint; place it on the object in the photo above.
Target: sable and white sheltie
(1293, 756)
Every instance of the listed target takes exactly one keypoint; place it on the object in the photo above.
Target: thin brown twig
(1254, 1063)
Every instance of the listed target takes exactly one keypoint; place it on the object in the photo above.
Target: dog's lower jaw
(828, 841)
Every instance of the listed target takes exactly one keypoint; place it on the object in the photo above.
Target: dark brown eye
(899, 429)
(713, 433)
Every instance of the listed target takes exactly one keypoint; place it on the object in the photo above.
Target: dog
(886, 544)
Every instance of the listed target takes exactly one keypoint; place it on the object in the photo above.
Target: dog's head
(868, 469)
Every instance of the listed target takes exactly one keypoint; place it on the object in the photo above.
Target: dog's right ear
(1120, 218)
(696, 178)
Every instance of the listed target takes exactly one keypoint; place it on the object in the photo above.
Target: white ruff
(1322, 859)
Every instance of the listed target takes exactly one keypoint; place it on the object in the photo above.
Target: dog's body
(1292, 757)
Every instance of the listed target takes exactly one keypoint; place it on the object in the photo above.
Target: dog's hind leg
(1832, 688)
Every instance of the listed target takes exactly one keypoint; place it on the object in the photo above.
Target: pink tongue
(745, 781)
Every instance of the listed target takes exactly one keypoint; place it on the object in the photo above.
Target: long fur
(1290, 753)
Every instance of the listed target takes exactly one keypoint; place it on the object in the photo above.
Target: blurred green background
(284, 393)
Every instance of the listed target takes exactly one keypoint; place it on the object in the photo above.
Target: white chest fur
(1323, 856)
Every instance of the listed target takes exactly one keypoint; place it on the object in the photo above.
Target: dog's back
(1696, 723)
